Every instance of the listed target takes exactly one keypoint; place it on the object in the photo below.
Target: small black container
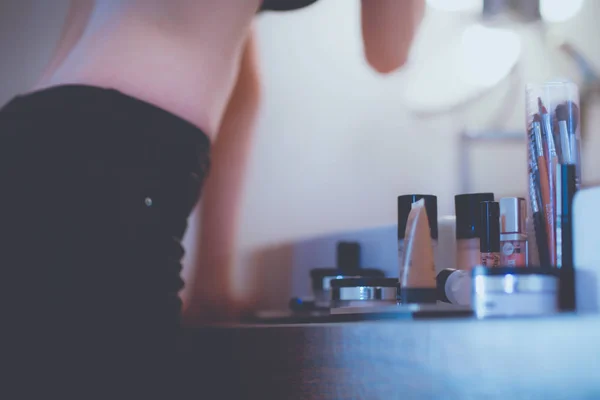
(468, 217)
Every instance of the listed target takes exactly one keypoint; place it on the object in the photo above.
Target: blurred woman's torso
(181, 55)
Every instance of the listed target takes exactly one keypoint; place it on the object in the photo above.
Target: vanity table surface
(461, 358)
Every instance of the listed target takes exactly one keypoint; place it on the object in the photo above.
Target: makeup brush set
(554, 177)
(554, 168)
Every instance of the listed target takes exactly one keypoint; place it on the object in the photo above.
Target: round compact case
(321, 279)
(363, 292)
(508, 292)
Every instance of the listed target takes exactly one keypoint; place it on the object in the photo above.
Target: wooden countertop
(546, 358)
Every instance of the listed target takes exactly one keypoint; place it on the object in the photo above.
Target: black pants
(95, 191)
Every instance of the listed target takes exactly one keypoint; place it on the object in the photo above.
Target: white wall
(336, 143)
(29, 30)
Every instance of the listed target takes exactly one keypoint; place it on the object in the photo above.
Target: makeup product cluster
(511, 256)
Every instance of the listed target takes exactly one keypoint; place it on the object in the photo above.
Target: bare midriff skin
(180, 55)
(197, 59)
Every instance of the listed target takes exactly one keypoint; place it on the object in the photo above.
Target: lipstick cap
(348, 256)
(404, 206)
(512, 215)
(489, 241)
(468, 217)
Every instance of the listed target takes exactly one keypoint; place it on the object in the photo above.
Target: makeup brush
(544, 184)
(535, 198)
(546, 119)
(534, 172)
(552, 162)
(548, 140)
(548, 137)
(539, 225)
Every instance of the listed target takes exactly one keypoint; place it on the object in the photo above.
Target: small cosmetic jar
(363, 292)
(514, 292)
(322, 291)
(321, 281)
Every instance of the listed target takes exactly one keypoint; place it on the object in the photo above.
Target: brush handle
(567, 176)
(547, 205)
(552, 177)
(541, 238)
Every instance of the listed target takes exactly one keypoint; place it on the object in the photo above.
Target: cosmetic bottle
(489, 243)
(417, 281)
(513, 235)
(468, 226)
(405, 203)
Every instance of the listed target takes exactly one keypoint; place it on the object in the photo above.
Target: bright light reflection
(509, 282)
(488, 54)
(456, 5)
(559, 10)
(479, 284)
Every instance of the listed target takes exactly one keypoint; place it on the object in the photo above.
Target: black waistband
(285, 5)
(147, 122)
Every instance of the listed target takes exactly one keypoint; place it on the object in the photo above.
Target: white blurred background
(337, 143)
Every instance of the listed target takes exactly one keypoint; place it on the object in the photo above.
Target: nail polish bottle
(468, 227)
(489, 243)
(513, 235)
